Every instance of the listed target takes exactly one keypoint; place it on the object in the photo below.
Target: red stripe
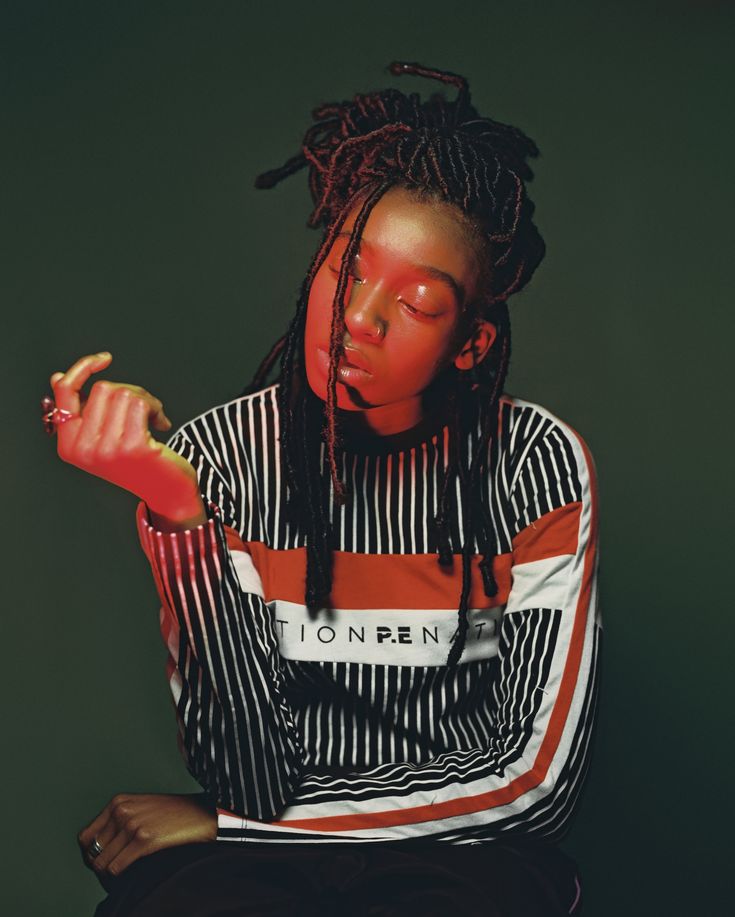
(410, 581)
(552, 534)
(407, 581)
(234, 542)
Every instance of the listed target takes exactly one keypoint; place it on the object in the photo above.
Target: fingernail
(104, 353)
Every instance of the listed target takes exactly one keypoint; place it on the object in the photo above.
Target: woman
(310, 540)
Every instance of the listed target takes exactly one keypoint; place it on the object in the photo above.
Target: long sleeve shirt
(346, 724)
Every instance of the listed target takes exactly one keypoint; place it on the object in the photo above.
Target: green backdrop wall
(131, 136)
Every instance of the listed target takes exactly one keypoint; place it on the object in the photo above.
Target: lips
(352, 359)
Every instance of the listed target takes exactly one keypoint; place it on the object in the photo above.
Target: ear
(477, 345)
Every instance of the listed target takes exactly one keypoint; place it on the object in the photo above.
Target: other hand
(135, 825)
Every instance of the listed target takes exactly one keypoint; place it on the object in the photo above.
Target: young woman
(377, 573)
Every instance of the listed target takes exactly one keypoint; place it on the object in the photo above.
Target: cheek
(319, 308)
(318, 324)
(419, 354)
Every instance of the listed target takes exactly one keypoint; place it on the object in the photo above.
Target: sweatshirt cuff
(147, 531)
(231, 827)
(172, 555)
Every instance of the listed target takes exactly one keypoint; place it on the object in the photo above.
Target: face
(414, 274)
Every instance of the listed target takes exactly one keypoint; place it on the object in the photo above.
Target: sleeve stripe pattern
(224, 641)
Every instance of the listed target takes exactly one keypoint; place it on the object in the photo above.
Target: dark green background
(131, 134)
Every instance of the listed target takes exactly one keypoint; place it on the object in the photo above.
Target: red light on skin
(413, 273)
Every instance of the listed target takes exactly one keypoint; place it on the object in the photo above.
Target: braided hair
(441, 151)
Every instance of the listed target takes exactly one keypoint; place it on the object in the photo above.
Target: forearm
(524, 780)
(239, 735)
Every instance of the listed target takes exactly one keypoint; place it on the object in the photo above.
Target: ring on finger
(51, 416)
(94, 849)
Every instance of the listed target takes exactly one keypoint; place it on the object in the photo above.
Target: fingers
(123, 833)
(112, 440)
(113, 422)
(88, 834)
(135, 432)
(92, 832)
(139, 845)
(95, 418)
(111, 830)
(159, 421)
(113, 841)
(67, 385)
(155, 412)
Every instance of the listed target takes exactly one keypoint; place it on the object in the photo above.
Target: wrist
(187, 513)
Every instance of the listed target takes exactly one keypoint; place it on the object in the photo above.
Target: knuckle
(142, 834)
(130, 451)
(121, 810)
(142, 405)
(107, 452)
(83, 456)
(105, 455)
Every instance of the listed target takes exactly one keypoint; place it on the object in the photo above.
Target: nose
(365, 314)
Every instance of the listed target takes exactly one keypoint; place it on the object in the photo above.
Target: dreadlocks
(439, 150)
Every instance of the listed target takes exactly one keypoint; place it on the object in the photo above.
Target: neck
(383, 420)
(395, 426)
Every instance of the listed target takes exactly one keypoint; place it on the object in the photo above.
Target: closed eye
(414, 311)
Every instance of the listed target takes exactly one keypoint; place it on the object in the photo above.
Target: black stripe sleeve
(238, 732)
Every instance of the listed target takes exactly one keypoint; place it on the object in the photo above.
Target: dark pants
(373, 880)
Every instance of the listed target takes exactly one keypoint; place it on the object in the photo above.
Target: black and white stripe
(395, 496)
(261, 732)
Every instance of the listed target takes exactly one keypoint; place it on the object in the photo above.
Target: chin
(349, 398)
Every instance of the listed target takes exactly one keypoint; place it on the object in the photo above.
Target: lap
(374, 880)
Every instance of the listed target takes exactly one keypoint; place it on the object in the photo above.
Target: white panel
(382, 636)
(246, 572)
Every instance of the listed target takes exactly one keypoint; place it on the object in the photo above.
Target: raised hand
(109, 436)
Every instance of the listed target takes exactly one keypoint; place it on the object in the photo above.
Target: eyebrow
(434, 272)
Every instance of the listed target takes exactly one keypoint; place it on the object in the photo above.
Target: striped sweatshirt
(345, 724)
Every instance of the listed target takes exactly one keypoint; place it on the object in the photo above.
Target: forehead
(401, 227)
